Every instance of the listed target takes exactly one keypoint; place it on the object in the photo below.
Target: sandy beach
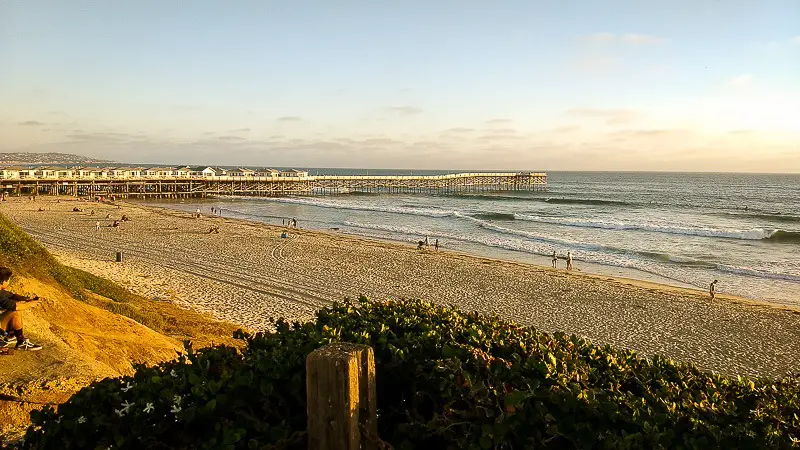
(247, 274)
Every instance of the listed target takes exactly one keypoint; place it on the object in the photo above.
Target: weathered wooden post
(340, 387)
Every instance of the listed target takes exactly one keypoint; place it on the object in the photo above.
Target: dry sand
(247, 274)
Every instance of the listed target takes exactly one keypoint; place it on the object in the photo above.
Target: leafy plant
(446, 379)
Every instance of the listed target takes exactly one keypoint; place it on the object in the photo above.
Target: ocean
(683, 229)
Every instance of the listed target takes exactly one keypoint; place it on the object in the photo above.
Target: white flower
(127, 388)
(81, 419)
(173, 373)
(175, 409)
(125, 407)
(148, 408)
(177, 399)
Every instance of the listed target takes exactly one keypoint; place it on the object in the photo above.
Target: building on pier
(173, 183)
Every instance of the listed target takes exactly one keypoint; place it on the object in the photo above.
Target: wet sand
(247, 274)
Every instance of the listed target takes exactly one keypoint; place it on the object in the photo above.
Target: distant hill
(24, 158)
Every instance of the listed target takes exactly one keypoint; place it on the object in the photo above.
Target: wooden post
(340, 387)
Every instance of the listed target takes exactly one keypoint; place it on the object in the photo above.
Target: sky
(709, 85)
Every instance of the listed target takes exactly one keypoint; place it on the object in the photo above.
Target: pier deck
(183, 187)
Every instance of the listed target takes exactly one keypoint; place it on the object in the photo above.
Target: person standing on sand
(712, 289)
(436, 245)
(11, 317)
(555, 260)
(569, 260)
(294, 222)
(97, 226)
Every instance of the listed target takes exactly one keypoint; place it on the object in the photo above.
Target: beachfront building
(99, 173)
(293, 173)
(65, 173)
(160, 172)
(10, 173)
(184, 172)
(132, 172)
(28, 173)
(210, 172)
(46, 172)
(267, 173)
(240, 172)
(117, 172)
(84, 172)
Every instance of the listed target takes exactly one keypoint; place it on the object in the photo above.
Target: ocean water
(677, 228)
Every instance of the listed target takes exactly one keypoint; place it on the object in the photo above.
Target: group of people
(292, 223)
(425, 244)
(568, 258)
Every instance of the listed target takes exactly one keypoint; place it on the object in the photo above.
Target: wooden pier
(185, 187)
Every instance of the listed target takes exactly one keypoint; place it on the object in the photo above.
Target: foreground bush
(446, 380)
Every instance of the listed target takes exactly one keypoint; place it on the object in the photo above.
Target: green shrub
(446, 380)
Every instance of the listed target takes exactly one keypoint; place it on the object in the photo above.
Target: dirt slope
(82, 343)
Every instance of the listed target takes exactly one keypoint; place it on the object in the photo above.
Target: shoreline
(247, 274)
(648, 280)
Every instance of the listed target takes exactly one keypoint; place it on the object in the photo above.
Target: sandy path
(247, 274)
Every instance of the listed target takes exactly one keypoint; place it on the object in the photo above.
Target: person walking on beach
(12, 306)
(97, 226)
(712, 289)
(569, 260)
(198, 213)
(555, 260)
(294, 222)
(426, 241)
(436, 245)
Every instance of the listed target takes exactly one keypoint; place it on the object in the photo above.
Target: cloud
(240, 130)
(628, 38)
(31, 123)
(498, 121)
(289, 119)
(460, 130)
(742, 80)
(231, 138)
(600, 37)
(403, 110)
(609, 116)
(641, 39)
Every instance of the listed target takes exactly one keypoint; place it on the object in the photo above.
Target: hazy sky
(588, 85)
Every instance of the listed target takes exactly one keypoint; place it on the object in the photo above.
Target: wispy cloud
(609, 116)
(742, 80)
(289, 119)
(498, 121)
(240, 130)
(231, 138)
(628, 38)
(633, 38)
(31, 123)
(403, 110)
(460, 130)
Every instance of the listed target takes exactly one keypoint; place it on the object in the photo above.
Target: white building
(293, 173)
(210, 172)
(10, 173)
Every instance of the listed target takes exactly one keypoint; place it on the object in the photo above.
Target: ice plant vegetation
(446, 380)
